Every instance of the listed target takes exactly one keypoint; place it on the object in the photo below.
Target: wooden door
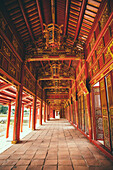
(98, 114)
(109, 84)
(105, 114)
(86, 115)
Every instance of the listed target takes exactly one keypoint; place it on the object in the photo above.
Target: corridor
(54, 145)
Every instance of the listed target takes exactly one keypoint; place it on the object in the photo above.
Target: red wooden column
(71, 112)
(17, 115)
(76, 105)
(34, 108)
(34, 113)
(30, 117)
(40, 114)
(68, 113)
(41, 105)
(18, 103)
(89, 116)
(22, 118)
(88, 106)
(8, 120)
(45, 112)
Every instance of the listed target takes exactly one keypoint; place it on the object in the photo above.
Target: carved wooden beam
(66, 16)
(40, 15)
(59, 87)
(83, 7)
(50, 58)
(59, 78)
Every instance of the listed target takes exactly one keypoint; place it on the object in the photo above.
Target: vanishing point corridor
(54, 145)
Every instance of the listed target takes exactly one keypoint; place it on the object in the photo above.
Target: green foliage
(3, 109)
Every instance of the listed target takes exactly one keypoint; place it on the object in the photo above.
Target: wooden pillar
(68, 113)
(89, 117)
(41, 105)
(34, 108)
(45, 112)
(34, 113)
(40, 115)
(30, 117)
(88, 104)
(18, 103)
(76, 105)
(22, 118)
(17, 115)
(71, 112)
(8, 120)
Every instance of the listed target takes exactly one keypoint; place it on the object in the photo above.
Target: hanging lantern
(55, 70)
(52, 35)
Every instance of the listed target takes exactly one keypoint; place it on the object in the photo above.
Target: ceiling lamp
(52, 31)
(52, 34)
(55, 70)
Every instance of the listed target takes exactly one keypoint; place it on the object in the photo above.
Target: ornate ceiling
(76, 17)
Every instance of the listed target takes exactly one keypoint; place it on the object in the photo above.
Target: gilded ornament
(109, 49)
(6, 50)
(15, 44)
(104, 17)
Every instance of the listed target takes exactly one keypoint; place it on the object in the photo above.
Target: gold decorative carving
(15, 44)
(45, 56)
(12, 70)
(104, 17)
(92, 42)
(109, 49)
(6, 50)
(2, 22)
(62, 55)
(99, 48)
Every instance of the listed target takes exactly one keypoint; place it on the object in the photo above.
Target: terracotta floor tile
(10, 162)
(6, 167)
(63, 157)
(34, 167)
(2, 156)
(76, 157)
(20, 168)
(50, 168)
(37, 162)
(81, 168)
(50, 162)
(65, 168)
(64, 162)
(106, 162)
(79, 162)
(15, 156)
(39, 156)
(54, 157)
(53, 144)
(23, 162)
(93, 162)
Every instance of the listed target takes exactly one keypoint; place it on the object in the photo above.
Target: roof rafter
(26, 21)
(40, 15)
(66, 16)
(83, 7)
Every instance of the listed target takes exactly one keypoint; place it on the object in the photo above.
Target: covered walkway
(54, 145)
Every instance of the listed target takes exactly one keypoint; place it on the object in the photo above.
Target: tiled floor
(55, 145)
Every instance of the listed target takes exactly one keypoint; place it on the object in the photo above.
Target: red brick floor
(56, 145)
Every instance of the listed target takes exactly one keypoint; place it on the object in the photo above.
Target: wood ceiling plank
(83, 7)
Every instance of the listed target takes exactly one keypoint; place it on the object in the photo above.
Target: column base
(14, 141)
